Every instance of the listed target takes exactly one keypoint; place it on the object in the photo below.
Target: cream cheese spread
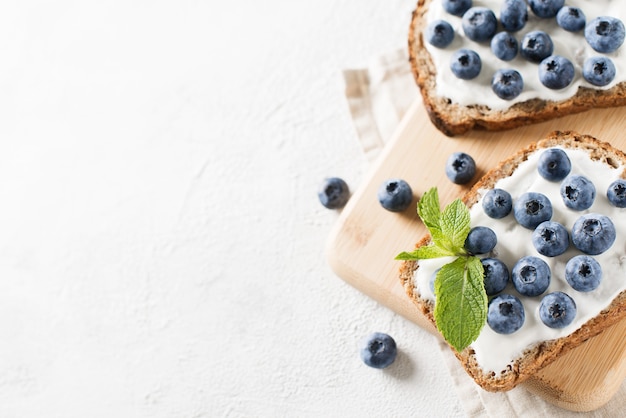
(495, 351)
(572, 46)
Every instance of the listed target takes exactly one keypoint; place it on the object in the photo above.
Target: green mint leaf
(461, 305)
(429, 210)
(425, 252)
(455, 224)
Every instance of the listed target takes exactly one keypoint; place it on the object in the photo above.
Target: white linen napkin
(378, 97)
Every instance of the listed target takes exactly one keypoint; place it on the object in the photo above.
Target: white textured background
(161, 242)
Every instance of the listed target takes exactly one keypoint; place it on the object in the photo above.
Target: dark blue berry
(583, 273)
(513, 15)
(456, 7)
(496, 275)
(545, 8)
(557, 310)
(531, 209)
(593, 233)
(480, 240)
(465, 64)
(536, 46)
(599, 71)
(572, 19)
(605, 34)
(554, 164)
(460, 168)
(504, 46)
(497, 203)
(616, 193)
(507, 84)
(479, 24)
(550, 239)
(578, 192)
(439, 33)
(505, 314)
(378, 350)
(395, 195)
(531, 276)
(556, 72)
(333, 193)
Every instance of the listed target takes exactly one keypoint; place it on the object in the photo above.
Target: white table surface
(161, 241)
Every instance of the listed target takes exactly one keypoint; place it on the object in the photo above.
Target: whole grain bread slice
(454, 119)
(543, 353)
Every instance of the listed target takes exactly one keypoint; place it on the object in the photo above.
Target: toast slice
(453, 119)
(532, 357)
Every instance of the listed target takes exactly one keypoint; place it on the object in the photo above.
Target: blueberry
(605, 34)
(578, 192)
(572, 19)
(557, 310)
(479, 24)
(550, 239)
(616, 193)
(460, 168)
(465, 64)
(431, 281)
(497, 203)
(456, 7)
(505, 314)
(480, 240)
(599, 71)
(554, 164)
(395, 195)
(531, 276)
(583, 273)
(439, 33)
(333, 193)
(531, 209)
(496, 275)
(513, 15)
(556, 72)
(593, 233)
(378, 350)
(545, 8)
(507, 84)
(504, 46)
(536, 46)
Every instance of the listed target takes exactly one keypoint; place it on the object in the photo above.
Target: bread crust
(453, 119)
(545, 352)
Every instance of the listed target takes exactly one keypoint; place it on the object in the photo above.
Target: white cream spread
(570, 45)
(495, 351)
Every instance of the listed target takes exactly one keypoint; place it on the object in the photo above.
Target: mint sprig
(461, 303)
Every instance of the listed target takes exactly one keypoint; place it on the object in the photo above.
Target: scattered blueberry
(593, 233)
(554, 164)
(578, 192)
(583, 273)
(333, 193)
(431, 281)
(536, 46)
(456, 7)
(545, 8)
(465, 64)
(378, 350)
(395, 195)
(504, 46)
(531, 209)
(497, 203)
(550, 239)
(599, 71)
(513, 15)
(556, 72)
(616, 193)
(479, 24)
(480, 240)
(439, 33)
(496, 275)
(505, 314)
(507, 84)
(572, 19)
(605, 34)
(460, 168)
(557, 310)
(531, 276)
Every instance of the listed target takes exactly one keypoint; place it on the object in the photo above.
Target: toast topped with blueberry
(499, 64)
(547, 228)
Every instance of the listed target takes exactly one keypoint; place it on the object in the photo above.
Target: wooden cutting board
(366, 238)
